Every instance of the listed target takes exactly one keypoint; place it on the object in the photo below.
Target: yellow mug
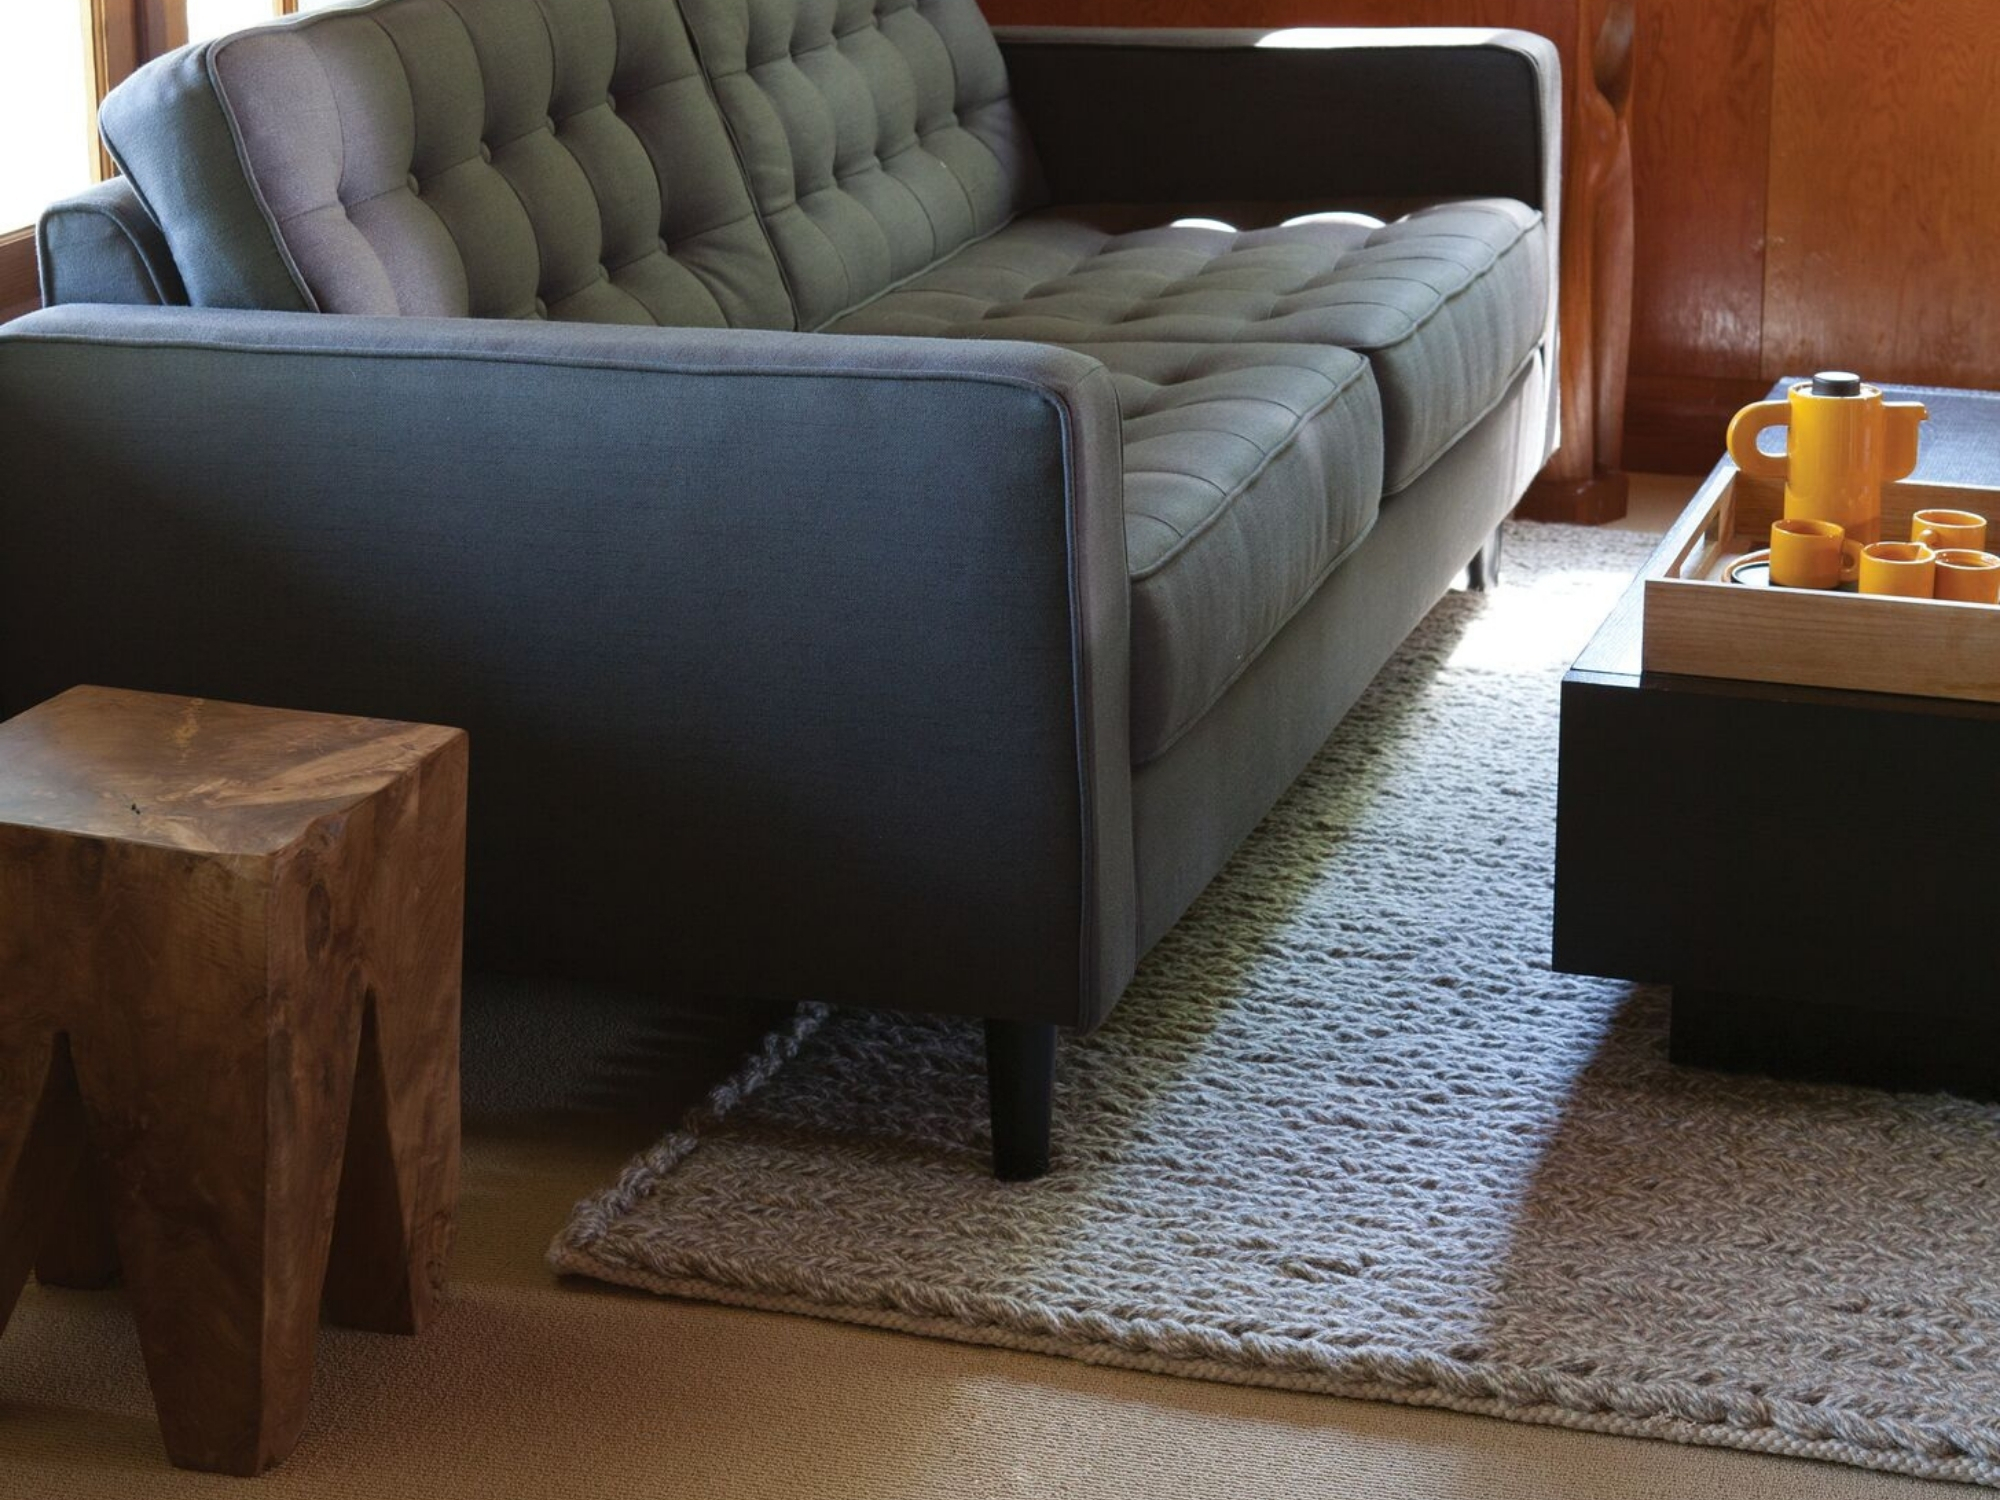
(1845, 442)
(1949, 528)
(1906, 570)
(1812, 555)
(1967, 575)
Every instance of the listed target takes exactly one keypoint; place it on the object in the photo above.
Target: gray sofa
(893, 507)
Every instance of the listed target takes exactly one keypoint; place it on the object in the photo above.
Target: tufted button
(412, 184)
(485, 153)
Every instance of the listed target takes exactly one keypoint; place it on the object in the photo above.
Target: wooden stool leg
(78, 1249)
(224, 1224)
(41, 1150)
(399, 1182)
(399, 1185)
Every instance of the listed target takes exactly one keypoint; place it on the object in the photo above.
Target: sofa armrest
(1180, 116)
(100, 245)
(795, 667)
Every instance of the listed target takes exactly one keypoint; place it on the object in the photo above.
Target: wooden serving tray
(1698, 623)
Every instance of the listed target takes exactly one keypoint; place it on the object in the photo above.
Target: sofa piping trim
(1492, 406)
(45, 261)
(243, 164)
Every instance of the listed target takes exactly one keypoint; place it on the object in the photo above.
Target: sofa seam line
(1271, 457)
(708, 84)
(1305, 598)
(1417, 325)
(486, 357)
(661, 241)
(410, 92)
(45, 260)
(1185, 431)
(1506, 386)
(825, 325)
(257, 196)
(1089, 919)
(1225, 492)
(951, 60)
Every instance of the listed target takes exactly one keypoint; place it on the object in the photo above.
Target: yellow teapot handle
(1743, 430)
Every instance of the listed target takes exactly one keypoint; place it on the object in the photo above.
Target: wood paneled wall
(1884, 216)
(1817, 183)
(1701, 125)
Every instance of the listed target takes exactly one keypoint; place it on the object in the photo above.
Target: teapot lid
(1836, 383)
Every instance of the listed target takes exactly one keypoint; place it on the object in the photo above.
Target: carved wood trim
(1583, 482)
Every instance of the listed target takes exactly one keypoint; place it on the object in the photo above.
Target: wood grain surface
(1585, 480)
(78, 1247)
(223, 916)
(1701, 124)
(1884, 222)
(189, 773)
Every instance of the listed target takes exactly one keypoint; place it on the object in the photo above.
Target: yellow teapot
(1845, 442)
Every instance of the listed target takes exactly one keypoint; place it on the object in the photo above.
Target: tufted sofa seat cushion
(491, 158)
(1447, 302)
(877, 135)
(1250, 472)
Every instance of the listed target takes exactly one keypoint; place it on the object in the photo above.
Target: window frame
(19, 290)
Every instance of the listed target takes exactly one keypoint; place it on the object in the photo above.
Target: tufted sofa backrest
(877, 135)
(567, 158)
(497, 158)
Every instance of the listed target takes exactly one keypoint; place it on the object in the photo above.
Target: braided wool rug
(1348, 1133)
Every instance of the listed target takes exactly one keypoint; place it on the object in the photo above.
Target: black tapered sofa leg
(1020, 1084)
(1482, 574)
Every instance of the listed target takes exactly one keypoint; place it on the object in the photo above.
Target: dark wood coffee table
(1695, 845)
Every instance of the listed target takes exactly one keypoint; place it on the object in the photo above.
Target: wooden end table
(229, 989)
(1847, 942)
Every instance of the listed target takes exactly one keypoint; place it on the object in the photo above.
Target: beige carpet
(530, 1388)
